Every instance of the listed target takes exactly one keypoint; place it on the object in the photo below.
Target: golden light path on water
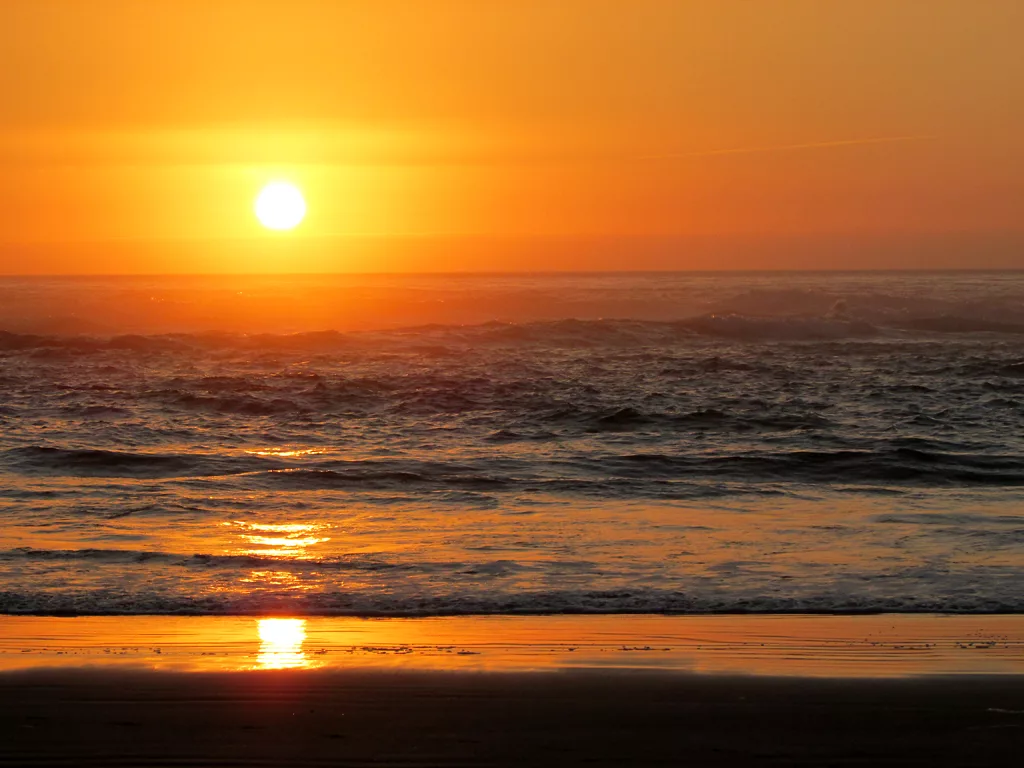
(281, 640)
(287, 453)
(286, 541)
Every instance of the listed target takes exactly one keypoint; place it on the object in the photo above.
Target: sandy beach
(764, 690)
(289, 718)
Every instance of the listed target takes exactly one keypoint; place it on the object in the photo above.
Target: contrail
(788, 147)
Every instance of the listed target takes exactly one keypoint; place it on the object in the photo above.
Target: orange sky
(595, 134)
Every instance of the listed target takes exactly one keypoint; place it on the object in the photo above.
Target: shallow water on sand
(485, 444)
(805, 646)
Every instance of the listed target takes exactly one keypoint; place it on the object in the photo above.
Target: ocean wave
(961, 308)
(360, 562)
(953, 324)
(556, 602)
(705, 419)
(82, 462)
(893, 465)
(746, 328)
(666, 429)
(242, 404)
(898, 462)
(589, 475)
(373, 475)
(448, 341)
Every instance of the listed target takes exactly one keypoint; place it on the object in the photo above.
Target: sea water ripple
(527, 444)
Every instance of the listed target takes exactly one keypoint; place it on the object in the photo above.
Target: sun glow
(280, 206)
(281, 643)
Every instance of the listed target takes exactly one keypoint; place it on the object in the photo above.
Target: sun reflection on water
(281, 540)
(280, 579)
(281, 644)
(282, 453)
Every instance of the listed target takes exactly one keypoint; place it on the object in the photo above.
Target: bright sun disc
(280, 205)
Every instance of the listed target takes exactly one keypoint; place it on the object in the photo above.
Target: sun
(280, 206)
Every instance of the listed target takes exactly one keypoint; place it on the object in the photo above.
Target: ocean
(512, 444)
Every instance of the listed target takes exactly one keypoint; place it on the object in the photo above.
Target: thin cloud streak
(790, 147)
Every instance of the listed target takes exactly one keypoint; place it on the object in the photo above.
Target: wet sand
(797, 645)
(714, 691)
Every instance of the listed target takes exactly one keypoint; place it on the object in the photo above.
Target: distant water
(505, 444)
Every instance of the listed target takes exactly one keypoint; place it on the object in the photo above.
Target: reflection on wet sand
(281, 644)
(850, 646)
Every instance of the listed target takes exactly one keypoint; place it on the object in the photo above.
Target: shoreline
(719, 691)
(793, 645)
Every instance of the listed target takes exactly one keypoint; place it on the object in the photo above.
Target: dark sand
(117, 717)
(558, 691)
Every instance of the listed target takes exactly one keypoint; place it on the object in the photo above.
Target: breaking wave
(70, 462)
(585, 474)
(560, 602)
(442, 341)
